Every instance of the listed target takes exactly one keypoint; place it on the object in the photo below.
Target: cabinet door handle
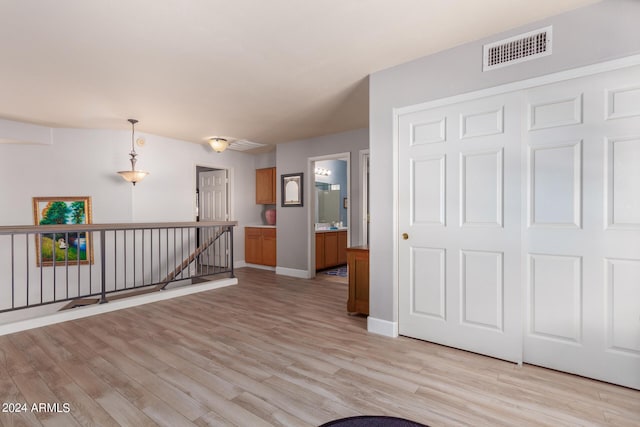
(405, 236)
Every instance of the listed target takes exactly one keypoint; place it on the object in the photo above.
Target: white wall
(292, 222)
(83, 162)
(589, 35)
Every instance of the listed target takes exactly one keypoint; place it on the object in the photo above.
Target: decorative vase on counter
(270, 216)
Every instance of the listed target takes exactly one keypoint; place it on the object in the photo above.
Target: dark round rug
(372, 421)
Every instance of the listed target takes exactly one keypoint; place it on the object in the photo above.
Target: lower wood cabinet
(260, 245)
(342, 247)
(331, 249)
(358, 266)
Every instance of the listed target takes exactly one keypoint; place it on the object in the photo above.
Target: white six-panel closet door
(522, 221)
(582, 227)
(460, 209)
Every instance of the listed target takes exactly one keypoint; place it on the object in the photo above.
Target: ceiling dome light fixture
(133, 175)
(218, 144)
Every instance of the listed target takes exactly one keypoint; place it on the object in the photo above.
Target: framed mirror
(291, 189)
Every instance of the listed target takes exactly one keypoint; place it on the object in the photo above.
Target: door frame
(364, 199)
(585, 71)
(311, 201)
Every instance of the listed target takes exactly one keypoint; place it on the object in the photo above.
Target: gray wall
(292, 222)
(265, 160)
(589, 35)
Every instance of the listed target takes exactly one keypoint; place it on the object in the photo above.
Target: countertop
(317, 231)
(332, 231)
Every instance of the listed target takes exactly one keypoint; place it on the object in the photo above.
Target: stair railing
(48, 264)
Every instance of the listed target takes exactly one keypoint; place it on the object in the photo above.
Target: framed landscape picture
(75, 248)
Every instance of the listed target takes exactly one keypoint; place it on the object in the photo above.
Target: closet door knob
(405, 236)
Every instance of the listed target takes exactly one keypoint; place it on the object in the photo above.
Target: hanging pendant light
(218, 144)
(133, 175)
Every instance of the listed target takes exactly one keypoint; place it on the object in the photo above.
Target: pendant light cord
(133, 130)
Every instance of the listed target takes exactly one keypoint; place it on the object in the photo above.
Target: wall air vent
(520, 48)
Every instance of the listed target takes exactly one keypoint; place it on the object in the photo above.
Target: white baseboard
(92, 310)
(382, 327)
(258, 266)
(301, 274)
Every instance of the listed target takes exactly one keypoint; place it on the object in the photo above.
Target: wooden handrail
(71, 228)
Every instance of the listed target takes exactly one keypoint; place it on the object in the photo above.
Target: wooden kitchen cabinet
(269, 245)
(358, 267)
(319, 251)
(252, 245)
(260, 245)
(342, 247)
(331, 249)
(266, 186)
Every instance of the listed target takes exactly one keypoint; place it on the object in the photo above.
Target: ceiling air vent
(244, 145)
(520, 48)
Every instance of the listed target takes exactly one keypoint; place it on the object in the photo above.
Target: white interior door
(213, 195)
(213, 207)
(460, 209)
(582, 230)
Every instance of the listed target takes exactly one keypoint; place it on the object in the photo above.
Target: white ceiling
(267, 71)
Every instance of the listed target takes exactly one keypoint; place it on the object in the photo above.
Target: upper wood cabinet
(266, 186)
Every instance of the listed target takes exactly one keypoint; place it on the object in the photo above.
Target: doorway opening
(329, 215)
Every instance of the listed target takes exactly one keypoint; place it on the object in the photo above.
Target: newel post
(103, 268)
(231, 249)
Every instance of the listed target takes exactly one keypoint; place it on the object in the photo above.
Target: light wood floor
(277, 351)
(322, 275)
